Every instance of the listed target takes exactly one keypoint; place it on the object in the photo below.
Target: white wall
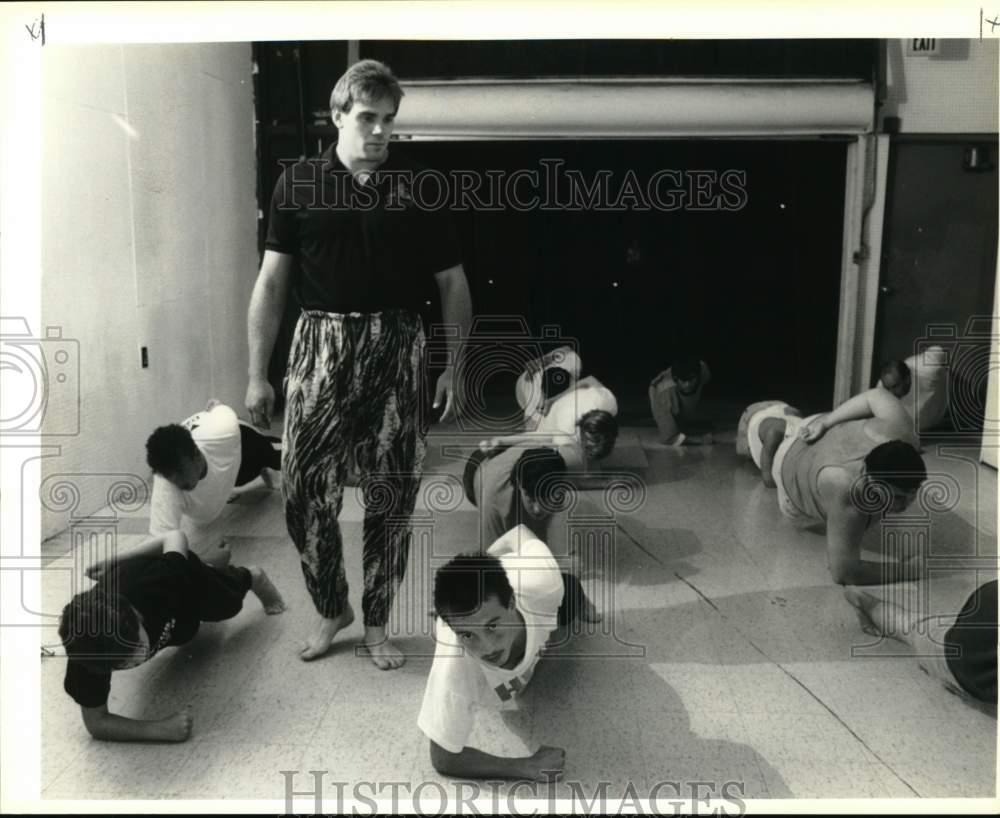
(955, 92)
(148, 238)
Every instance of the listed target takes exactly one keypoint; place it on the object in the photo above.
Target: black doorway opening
(754, 290)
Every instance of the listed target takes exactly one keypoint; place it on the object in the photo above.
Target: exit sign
(923, 46)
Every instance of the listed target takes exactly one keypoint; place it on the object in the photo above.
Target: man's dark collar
(331, 162)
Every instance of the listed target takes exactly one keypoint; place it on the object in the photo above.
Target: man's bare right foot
(321, 638)
(864, 603)
(265, 591)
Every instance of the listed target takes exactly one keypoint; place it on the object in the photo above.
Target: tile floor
(726, 655)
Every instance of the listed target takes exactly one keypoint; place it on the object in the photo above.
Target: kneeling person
(197, 464)
(495, 613)
(153, 598)
(828, 468)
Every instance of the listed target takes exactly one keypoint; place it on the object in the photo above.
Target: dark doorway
(754, 290)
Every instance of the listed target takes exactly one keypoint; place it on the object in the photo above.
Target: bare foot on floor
(321, 638)
(265, 591)
(863, 603)
(384, 654)
(271, 478)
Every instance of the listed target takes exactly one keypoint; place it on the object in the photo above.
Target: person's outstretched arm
(873, 403)
(844, 528)
(267, 305)
(544, 765)
(150, 547)
(106, 726)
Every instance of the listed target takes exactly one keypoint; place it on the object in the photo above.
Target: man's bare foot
(265, 591)
(268, 476)
(384, 654)
(678, 440)
(863, 603)
(321, 638)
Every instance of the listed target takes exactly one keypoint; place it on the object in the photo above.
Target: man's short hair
(99, 628)
(555, 381)
(686, 368)
(462, 585)
(898, 464)
(533, 468)
(893, 373)
(598, 433)
(168, 448)
(365, 81)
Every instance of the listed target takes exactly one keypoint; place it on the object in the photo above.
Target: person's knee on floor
(130, 615)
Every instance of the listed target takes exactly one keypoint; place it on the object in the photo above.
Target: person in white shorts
(844, 469)
(761, 430)
(584, 416)
(543, 380)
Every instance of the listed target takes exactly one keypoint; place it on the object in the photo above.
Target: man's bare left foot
(384, 654)
(265, 591)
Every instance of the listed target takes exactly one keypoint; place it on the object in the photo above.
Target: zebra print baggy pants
(353, 395)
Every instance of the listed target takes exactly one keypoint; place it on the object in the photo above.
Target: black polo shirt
(362, 248)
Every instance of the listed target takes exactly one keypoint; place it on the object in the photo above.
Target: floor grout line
(797, 681)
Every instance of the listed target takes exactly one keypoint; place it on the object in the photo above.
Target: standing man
(346, 232)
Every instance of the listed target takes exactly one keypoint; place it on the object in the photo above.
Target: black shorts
(257, 453)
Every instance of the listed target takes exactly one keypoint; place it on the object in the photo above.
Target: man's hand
(813, 431)
(446, 390)
(546, 764)
(177, 727)
(260, 402)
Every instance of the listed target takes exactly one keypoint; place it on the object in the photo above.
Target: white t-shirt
(588, 394)
(459, 683)
(528, 390)
(217, 434)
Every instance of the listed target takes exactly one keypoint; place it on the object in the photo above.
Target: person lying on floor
(198, 463)
(152, 598)
(959, 650)
(674, 398)
(843, 469)
(495, 612)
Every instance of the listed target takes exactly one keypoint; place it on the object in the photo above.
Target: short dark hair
(367, 81)
(893, 372)
(555, 381)
(598, 433)
(897, 463)
(464, 583)
(686, 368)
(168, 448)
(99, 628)
(533, 468)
